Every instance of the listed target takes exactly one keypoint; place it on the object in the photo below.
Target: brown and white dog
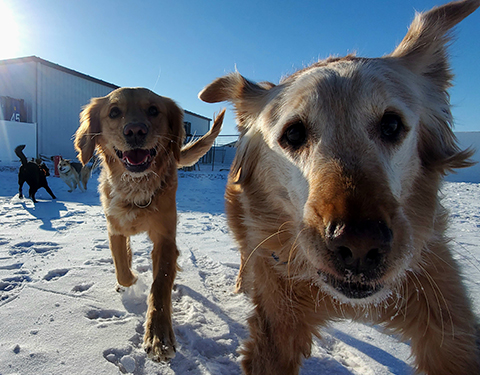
(333, 198)
(74, 174)
(139, 138)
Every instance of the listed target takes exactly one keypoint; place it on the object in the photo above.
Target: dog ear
(423, 51)
(175, 122)
(89, 130)
(247, 97)
(438, 148)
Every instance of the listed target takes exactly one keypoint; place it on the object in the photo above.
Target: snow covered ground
(60, 314)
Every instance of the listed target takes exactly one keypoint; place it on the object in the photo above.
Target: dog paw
(160, 349)
(121, 287)
(126, 279)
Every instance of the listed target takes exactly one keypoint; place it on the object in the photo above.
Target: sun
(9, 31)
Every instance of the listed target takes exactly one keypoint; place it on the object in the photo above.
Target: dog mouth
(137, 160)
(352, 287)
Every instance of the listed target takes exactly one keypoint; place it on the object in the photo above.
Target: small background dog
(34, 174)
(74, 173)
(333, 198)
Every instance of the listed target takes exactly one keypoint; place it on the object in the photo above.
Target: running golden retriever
(333, 198)
(139, 138)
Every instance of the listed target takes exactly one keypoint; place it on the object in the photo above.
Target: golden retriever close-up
(138, 136)
(334, 200)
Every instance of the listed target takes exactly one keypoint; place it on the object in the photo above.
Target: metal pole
(213, 160)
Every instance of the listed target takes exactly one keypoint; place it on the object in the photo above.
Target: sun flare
(9, 31)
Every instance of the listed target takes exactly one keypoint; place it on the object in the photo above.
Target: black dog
(35, 175)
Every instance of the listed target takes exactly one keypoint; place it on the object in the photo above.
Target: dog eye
(295, 136)
(391, 127)
(153, 111)
(114, 112)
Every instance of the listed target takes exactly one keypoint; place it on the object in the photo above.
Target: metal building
(40, 106)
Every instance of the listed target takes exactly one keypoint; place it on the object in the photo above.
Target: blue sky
(177, 47)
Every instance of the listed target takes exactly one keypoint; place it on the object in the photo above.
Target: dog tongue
(137, 156)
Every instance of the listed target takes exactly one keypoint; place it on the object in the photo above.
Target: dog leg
(32, 193)
(159, 340)
(122, 258)
(49, 191)
(437, 317)
(20, 188)
(281, 326)
(70, 185)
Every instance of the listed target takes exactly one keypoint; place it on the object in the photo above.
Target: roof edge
(197, 115)
(36, 59)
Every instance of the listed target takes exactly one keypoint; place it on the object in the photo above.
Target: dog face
(338, 166)
(64, 166)
(134, 130)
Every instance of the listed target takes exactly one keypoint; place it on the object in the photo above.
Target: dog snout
(135, 134)
(359, 248)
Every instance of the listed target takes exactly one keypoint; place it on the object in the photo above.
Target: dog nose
(359, 247)
(135, 133)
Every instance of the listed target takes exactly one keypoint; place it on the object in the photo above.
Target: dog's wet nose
(359, 247)
(135, 134)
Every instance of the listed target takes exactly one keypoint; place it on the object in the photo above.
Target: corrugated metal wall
(60, 99)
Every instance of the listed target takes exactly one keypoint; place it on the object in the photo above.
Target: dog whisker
(439, 292)
(243, 266)
(427, 302)
(471, 259)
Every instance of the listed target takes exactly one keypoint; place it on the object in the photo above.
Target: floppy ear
(175, 122)
(90, 129)
(247, 97)
(424, 52)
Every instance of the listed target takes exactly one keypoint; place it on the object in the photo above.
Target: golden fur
(333, 198)
(139, 138)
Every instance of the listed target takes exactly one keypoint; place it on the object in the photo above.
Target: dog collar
(143, 205)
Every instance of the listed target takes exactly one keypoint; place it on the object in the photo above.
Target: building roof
(58, 67)
(73, 72)
(197, 115)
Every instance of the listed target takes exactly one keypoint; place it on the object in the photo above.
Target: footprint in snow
(14, 266)
(36, 247)
(104, 314)
(55, 274)
(82, 287)
(98, 262)
(124, 359)
(101, 246)
(11, 286)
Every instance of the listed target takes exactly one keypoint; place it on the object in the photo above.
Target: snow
(60, 313)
